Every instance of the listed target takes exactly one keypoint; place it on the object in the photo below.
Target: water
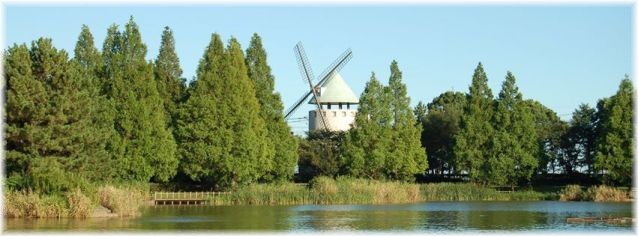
(431, 216)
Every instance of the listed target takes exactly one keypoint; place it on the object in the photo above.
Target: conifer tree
(367, 144)
(50, 119)
(271, 111)
(513, 157)
(222, 138)
(473, 144)
(615, 146)
(147, 147)
(170, 84)
(407, 156)
(199, 133)
(89, 62)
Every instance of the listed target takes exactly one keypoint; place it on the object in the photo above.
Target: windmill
(329, 89)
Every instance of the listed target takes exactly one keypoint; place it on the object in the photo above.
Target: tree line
(498, 141)
(112, 116)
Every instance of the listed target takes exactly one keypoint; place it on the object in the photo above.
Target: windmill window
(334, 113)
(344, 114)
(340, 106)
(328, 106)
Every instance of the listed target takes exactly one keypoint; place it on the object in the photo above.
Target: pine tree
(147, 147)
(367, 144)
(170, 84)
(474, 141)
(407, 156)
(50, 119)
(615, 146)
(271, 111)
(513, 157)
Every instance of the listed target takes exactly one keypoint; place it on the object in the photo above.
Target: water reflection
(431, 216)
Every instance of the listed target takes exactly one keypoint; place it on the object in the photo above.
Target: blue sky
(561, 55)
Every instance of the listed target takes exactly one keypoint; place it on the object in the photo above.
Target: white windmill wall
(336, 119)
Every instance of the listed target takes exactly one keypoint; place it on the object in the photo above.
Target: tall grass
(322, 190)
(600, 193)
(123, 201)
(28, 204)
(474, 192)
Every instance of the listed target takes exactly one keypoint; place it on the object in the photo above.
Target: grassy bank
(322, 190)
(121, 201)
(325, 190)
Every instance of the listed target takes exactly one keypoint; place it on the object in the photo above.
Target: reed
(605, 193)
(28, 204)
(80, 206)
(123, 201)
(572, 193)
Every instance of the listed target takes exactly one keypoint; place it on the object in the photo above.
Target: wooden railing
(186, 195)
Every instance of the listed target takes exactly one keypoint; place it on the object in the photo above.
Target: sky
(561, 55)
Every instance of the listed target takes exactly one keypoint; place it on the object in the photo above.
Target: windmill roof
(335, 90)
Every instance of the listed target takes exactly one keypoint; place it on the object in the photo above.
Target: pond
(429, 216)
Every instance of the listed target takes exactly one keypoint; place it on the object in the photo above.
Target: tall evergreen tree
(222, 138)
(513, 157)
(170, 84)
(615, 146)
(147, 147)
(367, 144)
(271, 111)
(474, 141)
(407, 156)
(50, 119)
(89, 62)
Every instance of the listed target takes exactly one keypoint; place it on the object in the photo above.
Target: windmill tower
(332, 96)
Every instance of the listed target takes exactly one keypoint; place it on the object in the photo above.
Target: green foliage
(549, 132)
(271, 111)
(147, 148)
(53, 117)
(223, 141)
(579, 141)
(614, 155)
(440, 126)
(170, 84)
(384, 142)
(513, 157)
(407, 157)
(474, 141)
(319, 154)
(367, 144)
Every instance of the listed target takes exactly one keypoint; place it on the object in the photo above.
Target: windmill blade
(303, 63)
(335, 66)
(296, 105)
